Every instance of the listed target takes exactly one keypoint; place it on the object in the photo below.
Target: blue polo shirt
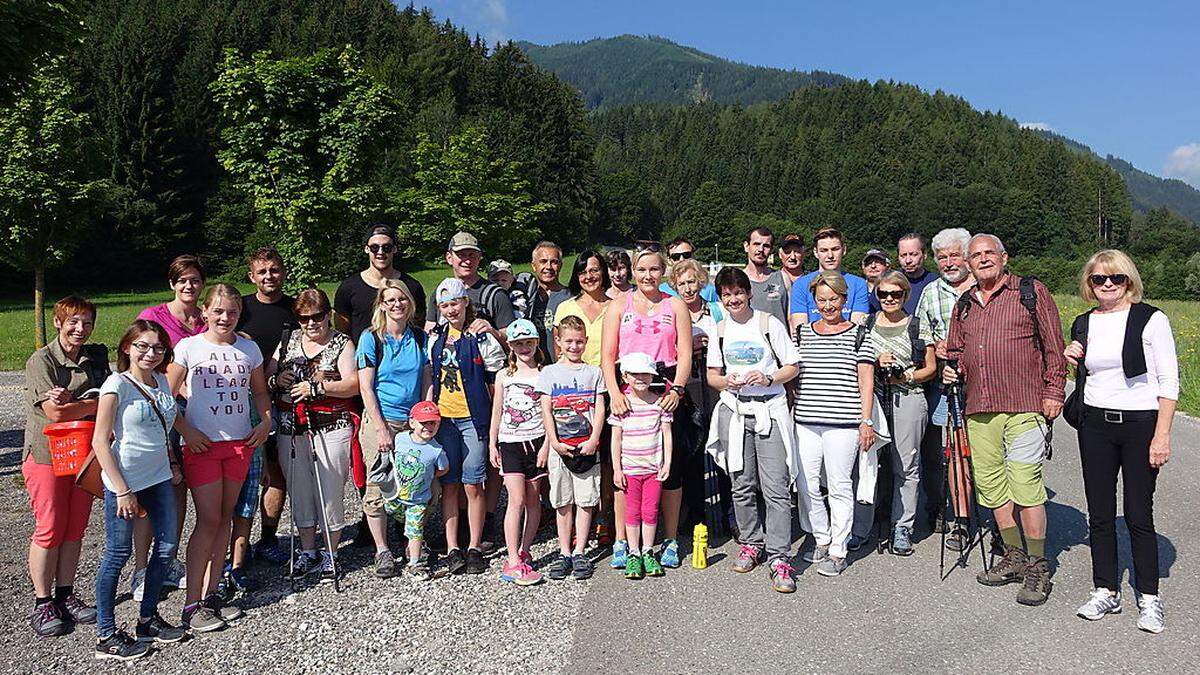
(857, 299)
(398, 378)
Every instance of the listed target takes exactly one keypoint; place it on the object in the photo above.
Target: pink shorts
(225, 459)
(60, 510)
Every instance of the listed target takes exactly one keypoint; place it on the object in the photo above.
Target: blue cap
(521, 329)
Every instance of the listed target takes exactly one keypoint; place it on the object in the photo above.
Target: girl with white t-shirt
(222, 375)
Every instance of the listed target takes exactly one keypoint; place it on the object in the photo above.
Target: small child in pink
(641, 449)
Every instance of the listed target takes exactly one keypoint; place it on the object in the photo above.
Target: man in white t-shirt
(751, 360)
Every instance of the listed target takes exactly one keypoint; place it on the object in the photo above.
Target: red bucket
(70, 443)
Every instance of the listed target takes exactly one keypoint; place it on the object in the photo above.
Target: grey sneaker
(561, 568)
(227, 612)
(1102, 602)
(831, 566)
(329, 570)
(202, 619)
(748, 557)
(385, 565)
(816, 555)
(1152, 615)
(782, 576)
(902, 541)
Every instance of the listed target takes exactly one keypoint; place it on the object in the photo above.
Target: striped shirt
(827, 388)
(998, 358)
(641, 436)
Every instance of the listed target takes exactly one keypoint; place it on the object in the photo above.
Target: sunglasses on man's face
(886, 295)
(685, 255)
(1101, 279)
(381, 248)
(312, 318)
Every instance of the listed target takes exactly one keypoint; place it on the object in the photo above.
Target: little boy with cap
(408, 490)
(500, 272)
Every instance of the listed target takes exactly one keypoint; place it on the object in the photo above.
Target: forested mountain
(623, 70)
(146, 68)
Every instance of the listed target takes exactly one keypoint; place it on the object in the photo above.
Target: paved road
(890, 614)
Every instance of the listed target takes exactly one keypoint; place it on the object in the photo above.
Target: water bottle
(700, 546)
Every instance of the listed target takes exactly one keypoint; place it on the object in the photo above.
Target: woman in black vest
(1126, 389)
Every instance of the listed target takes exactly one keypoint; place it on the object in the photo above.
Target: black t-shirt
(264, 322)
(355, 299)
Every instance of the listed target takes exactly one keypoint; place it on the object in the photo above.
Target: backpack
(914, 337)
(1028, 301)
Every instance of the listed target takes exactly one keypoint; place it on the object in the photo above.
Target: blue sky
(1121, 77)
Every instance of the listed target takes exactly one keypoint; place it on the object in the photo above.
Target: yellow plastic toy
(700, 546)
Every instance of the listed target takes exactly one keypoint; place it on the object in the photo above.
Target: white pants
(333, 467)
(836, 450)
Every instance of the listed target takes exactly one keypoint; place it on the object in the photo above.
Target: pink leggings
(641, 499)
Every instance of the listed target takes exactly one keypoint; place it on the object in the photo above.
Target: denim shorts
(247, 502)
(465, 450)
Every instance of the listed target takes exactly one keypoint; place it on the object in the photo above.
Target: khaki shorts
(1006, 454)
(568, 487)
(372, 501)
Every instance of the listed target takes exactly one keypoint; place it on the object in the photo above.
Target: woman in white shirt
(1129, 377)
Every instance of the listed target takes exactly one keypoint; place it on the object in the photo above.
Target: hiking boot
(455, 561)
(1152, 615)
(77, 610)
(1037, 585)
(956, 540)
(782, 576)
(158, 630)
(521, 574)
(855, 542)
(747, 559)
(902, 541)
(476, 564)
(385, 565)
(1009, 570)
(582, 567)
(620, 555)
(328, 567)
(47, 620)
(816, 555)
(201, 618)
(306, 563)
(120, 647)
(560, 568)
(831, 566)
(651, 566)
(633, 567)
(227, 612)
(418, 571)
(1102, 602)
(669, 555)
(177, 575)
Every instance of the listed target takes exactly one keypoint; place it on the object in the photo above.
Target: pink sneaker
(520, 574)
(525, 557)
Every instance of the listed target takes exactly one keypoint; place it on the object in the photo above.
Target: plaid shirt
(934, 308)
(998, 358)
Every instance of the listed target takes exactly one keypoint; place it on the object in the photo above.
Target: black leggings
(1106, 449)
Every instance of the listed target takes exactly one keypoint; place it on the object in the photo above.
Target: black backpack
(1028, 300)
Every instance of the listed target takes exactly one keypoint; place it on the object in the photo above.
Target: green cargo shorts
(1006, 454)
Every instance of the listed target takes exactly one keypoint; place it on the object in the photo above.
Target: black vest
(1133, 353)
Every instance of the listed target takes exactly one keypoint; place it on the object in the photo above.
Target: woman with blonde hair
(393, 374)
(1127, 385)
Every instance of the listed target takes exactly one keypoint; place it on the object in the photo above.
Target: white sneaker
(138, 584)
(176, 575)
(1151, 608)
(1102, 602)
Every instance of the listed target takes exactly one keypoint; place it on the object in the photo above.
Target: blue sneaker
(902, 540)
(276, 554)
(620, 553)
(669, 555)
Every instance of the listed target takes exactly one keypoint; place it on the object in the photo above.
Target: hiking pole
(948, 447)
(965, 469)
(303, 417)
(885, 482)
(292, 511)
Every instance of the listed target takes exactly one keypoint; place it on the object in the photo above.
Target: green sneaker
(653, 567)
(633, 567)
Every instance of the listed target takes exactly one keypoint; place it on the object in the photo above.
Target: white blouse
(1107, 387)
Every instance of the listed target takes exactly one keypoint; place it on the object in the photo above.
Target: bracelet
(124, 494)
(273, 382)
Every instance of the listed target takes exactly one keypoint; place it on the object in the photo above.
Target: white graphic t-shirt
(218, 385)
(746, 349)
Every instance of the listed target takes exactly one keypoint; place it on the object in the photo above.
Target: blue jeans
(159, 503)
(465, 450)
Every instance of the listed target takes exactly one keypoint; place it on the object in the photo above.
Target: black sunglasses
(1100, 279)
(884, 295)
(305, 318)
(381, 248)
(686, 255)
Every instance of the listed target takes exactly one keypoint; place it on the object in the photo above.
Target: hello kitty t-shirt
(521, 410)
(218, 385)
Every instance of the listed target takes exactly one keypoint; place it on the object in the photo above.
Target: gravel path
(471, 624)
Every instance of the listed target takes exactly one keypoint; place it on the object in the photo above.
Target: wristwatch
(870, 423)
(677, 389)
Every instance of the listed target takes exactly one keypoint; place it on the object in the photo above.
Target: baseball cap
(521, 329)
(376, 230)
(638, 362)
(463, 241)
(876, 253)
(791, 240)
(425, 411)
(450, 289)
(499, 266)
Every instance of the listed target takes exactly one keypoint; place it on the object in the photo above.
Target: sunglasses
(143, 347)
(1101, 279)
(686, 255)
(652, 246)
(885, 295)
(381, 248)
(310, 318)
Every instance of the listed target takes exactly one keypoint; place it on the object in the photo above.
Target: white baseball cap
(638, 362)
(450, 289)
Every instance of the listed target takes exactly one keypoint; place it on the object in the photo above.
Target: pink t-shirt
(653, 334)
(176, 331)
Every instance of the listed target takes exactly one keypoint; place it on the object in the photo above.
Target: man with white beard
(933, 311)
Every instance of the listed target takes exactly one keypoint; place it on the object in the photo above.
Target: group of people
(614, 401)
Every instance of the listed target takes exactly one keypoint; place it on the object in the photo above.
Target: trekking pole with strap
(965, 502)
(885, 482)
(302, 417)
